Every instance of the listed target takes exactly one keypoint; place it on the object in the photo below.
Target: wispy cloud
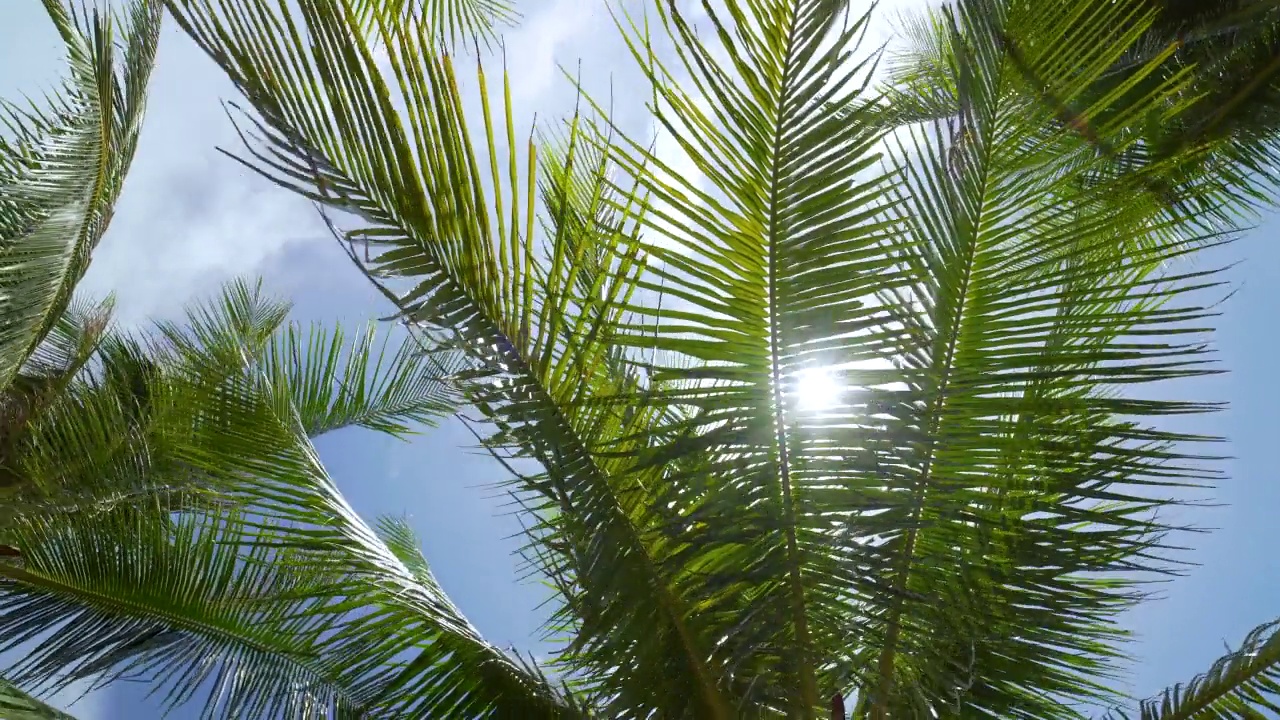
(91, 705)
(190, 217)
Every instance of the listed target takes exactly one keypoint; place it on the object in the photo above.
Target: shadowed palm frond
(62, 168)
(1209, 152)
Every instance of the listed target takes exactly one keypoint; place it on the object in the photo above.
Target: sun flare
(818, 389)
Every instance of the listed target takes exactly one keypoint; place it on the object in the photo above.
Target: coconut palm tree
(96, 420)
(846, 417)
(62, 168)
(81, 397)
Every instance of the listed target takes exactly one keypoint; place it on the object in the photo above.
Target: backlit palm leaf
(483, 287)
(62, 168)
(452, 22)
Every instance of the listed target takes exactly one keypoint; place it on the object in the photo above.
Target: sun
(818, 389)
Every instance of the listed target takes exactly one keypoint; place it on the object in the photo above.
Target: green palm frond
(106, 417)
(774, 259)
(290, 605)
(1024, 346)
(184, 607)
(1208, 152)
(72, 341)
(951, 530)
(133, 427)
(483, 288)
(17, 705)
(62, 168)
(451, 22)
(334, 384)
(231, 330)
(1244, 683)
(130, 418)
(330, 382)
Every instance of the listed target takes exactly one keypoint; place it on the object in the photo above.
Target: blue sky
(190, 219)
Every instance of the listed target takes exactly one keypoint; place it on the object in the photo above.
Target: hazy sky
(190, 219)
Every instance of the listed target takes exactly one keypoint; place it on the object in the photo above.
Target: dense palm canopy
(953, 531)
(1221, 126)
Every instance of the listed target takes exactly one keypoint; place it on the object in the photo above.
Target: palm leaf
(335, 384)
(290, 606)
(106, 417)
(1244, 683)
(1029, 486)
(62, 169)
(129, 418)
(329, 382)
(452, 22)
(773, 253)
(415, 183)
(1180, 152)
(17, 705)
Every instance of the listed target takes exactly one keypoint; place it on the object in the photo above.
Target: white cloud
(534, 49)
(190, 217)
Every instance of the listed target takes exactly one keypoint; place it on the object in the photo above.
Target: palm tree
(849, 415)
(90, 413)
(95, 420)
(61, 170)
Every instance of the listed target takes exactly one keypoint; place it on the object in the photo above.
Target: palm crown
(953, 532)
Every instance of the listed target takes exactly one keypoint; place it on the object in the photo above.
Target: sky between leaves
(190, 218)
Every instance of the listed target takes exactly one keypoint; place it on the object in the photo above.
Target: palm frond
(773, 252)
(129, 593)
(72, 341)
(1244, 683)
(135, 417)
(231, 330)
(1205, 153)
(290, 605)
(451, 22)
(62, 169)
(17, 705)
(482, 288)
(1026, 470)
(330, 382)
(333, 383)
